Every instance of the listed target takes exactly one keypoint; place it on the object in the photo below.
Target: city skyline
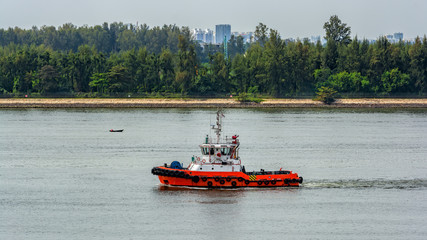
(201, 36)
(367, 18)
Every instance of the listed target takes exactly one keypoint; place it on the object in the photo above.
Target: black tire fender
(196, 179)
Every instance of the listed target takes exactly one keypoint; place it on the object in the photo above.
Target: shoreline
(206, 103)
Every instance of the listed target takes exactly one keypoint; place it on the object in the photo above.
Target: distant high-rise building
(247, 36)
(209, 36)
(394, 38)
(398, 36)
(221, 31)
(203, 36)
(314, 39)
(198, 34)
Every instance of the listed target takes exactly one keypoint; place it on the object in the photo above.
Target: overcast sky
(292, 18)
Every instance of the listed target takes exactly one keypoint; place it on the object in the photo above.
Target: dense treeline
(124, 59)
(106, 38)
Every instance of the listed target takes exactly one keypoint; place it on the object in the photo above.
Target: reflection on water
(203, 195)
(218, 195)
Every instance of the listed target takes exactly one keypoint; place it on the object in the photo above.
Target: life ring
(204, 179)
(216, 179)
(222, 181)
(233, 183)
(209, 184)
(228, 179)
(273, 182)
(240, 179)
(204, 161)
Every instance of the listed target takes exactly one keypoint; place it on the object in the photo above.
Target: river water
(64, 176)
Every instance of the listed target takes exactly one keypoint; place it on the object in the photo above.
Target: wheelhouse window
(213, 151)
(225, 151)
(205, 151)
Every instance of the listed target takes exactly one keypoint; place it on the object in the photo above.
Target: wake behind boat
(116, 130)
(220, 166)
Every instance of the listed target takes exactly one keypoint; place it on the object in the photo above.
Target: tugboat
(220, 166)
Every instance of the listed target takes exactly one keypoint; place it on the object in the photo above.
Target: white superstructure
(218, 156)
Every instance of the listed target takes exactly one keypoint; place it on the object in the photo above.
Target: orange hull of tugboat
(184, 177)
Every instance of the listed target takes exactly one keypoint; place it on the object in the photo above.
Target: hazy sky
(292, 18)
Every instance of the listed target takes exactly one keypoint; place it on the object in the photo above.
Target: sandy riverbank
(204, 103)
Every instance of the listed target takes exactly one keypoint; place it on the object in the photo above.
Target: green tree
(418, 64)
(330, 55)
(141, 80)
(379, 62)
(99, 82)
(348, 82)
(300, 67)
(48, 79)
(186, 67)
(275, 63)
(119, 79)
(326, 95)
(239, 73)
(219, 73)
(337, 31)
(350, 56)
(261, 34)
(167, 72)
(394, 81)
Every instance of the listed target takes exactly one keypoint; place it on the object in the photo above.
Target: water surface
(64, 176)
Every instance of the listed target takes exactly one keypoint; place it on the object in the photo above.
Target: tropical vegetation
(121, 60)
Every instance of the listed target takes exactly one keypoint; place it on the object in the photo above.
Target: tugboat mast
(217, 129)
